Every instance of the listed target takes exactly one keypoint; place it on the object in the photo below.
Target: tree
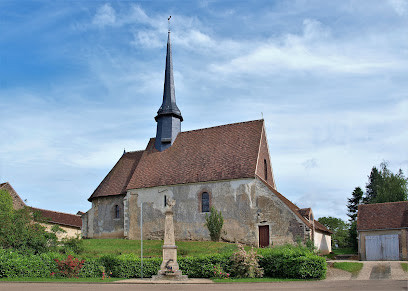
(385, 186)
(214, 223)
(374, 182)
(354, 202)
(18, 230)
(339, 229)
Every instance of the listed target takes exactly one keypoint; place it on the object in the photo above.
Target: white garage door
(382, 247)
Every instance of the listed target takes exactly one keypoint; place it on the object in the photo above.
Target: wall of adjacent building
(322, 242)
(70, 232)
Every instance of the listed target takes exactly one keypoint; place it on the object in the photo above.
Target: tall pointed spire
(169, 105)
(168, 116)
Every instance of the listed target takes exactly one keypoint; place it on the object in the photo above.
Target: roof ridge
(53, 211)
(394, 202)
(132, 152)
(222, 125)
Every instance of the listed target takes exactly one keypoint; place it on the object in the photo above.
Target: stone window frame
(116, 212)
(200, 200)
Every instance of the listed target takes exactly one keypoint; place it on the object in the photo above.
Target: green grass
(70, 280)
(151, 248)
(254, 280)
(343, 251)
(353, 268)
(404, 266)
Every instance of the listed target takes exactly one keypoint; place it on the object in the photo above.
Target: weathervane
(168, 21)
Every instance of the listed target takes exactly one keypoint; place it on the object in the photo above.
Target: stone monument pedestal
(169, 269)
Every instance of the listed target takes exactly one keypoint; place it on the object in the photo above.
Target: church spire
(168, 116)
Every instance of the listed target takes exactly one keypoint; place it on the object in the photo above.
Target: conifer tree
(354, 202)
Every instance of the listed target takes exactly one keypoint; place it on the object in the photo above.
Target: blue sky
(82, 80)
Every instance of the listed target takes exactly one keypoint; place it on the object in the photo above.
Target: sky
(80, 81)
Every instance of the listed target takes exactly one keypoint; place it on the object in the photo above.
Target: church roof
(116, 181)
(210, 154)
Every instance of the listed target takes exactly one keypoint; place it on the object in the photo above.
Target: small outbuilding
(382, 231)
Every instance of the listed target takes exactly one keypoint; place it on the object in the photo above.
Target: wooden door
(263, 236)
(382, 247)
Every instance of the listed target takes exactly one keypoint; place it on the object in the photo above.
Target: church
(227, 167)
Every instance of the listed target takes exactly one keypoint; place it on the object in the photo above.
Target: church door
(263, 236)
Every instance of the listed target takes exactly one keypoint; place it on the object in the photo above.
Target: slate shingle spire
(168, 116)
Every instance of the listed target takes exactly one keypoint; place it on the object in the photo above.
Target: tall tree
(374, 183)
(385, 186)
(339, 229)
(354, 202)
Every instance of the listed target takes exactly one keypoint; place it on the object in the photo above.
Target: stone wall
(100, 221)
(245, 204)
(70, 232)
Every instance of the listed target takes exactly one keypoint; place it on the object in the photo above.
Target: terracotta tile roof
(118, 178)
(382, 215)
(217, 153)
(210, 154)
(60, 218)
(321, 227)
(305, 212)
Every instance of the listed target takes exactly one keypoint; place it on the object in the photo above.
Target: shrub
(129, 266)
(214, 223)
(292, 262)
(203, 266)
(219, 272)
(19, 232)
(70, 267)
(72, 245)
(245, 264)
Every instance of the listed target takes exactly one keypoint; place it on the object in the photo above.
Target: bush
(214, 223)
(129, 266)
(245, 264)
(203, 266)
(70, 267)
(292, 262)
(19, 232)
(72, 245)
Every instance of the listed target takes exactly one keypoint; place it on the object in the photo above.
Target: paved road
(311, 285)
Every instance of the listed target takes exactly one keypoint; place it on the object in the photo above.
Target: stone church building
(226, 166)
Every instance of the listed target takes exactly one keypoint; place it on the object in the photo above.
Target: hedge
(292, 262)
(281, 262)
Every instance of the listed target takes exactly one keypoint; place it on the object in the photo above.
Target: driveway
(372, 270)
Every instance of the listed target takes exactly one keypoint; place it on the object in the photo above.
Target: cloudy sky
(82, 80)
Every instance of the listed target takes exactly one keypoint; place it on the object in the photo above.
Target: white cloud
(105, 16)
(314, 50)
(399, 6)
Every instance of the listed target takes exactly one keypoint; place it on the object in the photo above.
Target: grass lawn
(343, 251)
(404, 266)
(152, 248)
(353, 268)
(254, 280)
(70, 280)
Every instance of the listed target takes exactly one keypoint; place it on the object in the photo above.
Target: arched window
(117, 211)
(266, 169)
(205, 202)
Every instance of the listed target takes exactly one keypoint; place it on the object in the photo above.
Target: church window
(117, 211)
(205, 202)
(266, 169)
(165, 200)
